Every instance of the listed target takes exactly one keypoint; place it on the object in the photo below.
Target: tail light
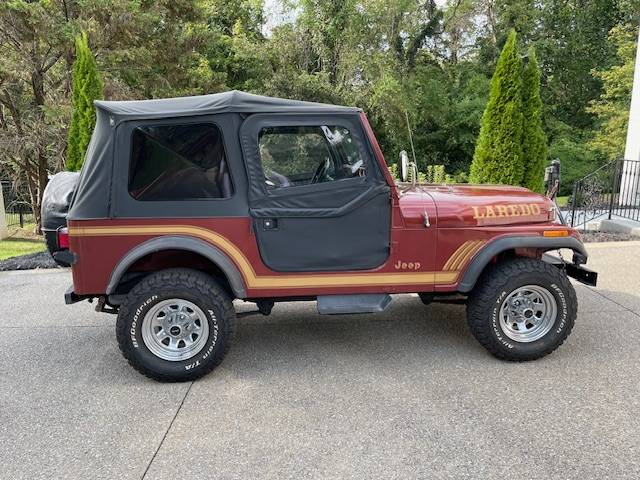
(63, 238)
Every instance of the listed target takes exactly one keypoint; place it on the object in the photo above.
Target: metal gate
(611, 190)
(18, 211)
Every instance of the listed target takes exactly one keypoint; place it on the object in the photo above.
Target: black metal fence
(18, 211)
(611, 190)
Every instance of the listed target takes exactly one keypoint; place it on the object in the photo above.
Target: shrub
(534, 141)
(87, 87)
(498, 156)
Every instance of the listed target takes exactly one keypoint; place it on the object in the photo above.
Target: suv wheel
(522, 309)
(175, 325)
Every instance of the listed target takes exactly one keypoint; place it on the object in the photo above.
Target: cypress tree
(87, 87)
(534, 141)
(498, 154)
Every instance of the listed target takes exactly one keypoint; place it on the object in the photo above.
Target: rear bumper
(71, 297)
(573, 270)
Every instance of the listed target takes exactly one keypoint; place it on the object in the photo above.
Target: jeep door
(317, 197)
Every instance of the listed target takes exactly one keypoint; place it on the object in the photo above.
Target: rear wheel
(175, 325)
(522, 309)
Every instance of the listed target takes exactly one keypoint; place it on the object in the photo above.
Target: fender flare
(219, 258)
(484, 256)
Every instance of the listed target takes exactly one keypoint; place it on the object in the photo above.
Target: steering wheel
(321, 171)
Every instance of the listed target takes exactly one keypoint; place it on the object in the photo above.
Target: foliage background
(433, 60)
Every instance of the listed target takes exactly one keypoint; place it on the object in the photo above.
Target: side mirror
(404, 166)
(552, 179)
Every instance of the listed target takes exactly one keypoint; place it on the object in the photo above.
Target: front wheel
(175, 325)
(522, 309)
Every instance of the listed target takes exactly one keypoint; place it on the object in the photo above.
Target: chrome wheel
(175, 329)
(528, 313)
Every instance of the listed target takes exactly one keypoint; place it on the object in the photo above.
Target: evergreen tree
(534, 141)
(498, 154)
(87, 87)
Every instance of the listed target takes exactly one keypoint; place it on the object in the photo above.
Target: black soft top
(226, 102)
(101, 190)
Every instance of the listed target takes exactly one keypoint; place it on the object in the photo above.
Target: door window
(305, 155)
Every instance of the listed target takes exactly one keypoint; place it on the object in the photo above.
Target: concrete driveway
(404, 394)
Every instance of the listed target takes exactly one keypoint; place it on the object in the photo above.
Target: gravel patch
(28, 262)
(589, 237)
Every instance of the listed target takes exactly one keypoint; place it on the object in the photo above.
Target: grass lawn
(562, 201)
(12, 247)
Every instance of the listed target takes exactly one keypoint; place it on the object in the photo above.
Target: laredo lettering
(501, 211)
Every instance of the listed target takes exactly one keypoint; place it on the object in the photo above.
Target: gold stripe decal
(459, 253)
(459, 265)
(463, 254)
(274, 281)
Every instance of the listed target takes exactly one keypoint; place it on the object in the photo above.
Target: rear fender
(179, 243)
(496, 247)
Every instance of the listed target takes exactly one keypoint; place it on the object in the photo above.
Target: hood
(479, 205)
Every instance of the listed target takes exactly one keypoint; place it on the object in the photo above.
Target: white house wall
(630, 181)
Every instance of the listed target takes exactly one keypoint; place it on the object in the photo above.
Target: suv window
(178, 162)
(302, 155)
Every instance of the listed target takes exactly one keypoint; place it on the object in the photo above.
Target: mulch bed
(30, 261)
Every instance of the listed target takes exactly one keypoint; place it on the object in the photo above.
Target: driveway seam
(60, 326)
(617, 303)
(167, 432)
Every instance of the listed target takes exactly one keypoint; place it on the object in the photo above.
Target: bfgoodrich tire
(522, 309)
(175, 325)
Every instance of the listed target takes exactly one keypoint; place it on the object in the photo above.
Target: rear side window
(303, 155)
(179, 162)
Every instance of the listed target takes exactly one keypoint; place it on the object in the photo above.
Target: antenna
(413, 150)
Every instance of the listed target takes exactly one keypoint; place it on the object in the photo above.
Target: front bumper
(573, 270)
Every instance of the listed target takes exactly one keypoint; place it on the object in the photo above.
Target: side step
(359, 303)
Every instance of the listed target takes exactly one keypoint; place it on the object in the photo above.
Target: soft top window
(178, 162)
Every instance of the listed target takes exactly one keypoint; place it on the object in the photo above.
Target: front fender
(496, 247)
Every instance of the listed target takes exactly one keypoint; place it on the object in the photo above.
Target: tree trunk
(40, 177)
